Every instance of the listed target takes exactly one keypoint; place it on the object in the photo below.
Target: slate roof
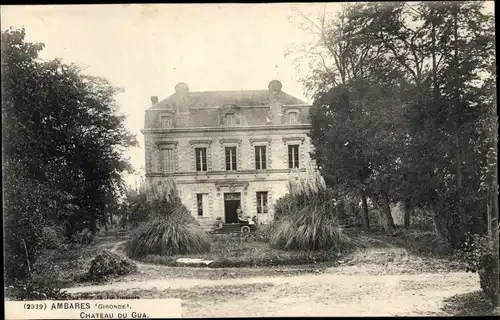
(215, 99)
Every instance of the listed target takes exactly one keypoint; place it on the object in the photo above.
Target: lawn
(62, 265)
(246, 251)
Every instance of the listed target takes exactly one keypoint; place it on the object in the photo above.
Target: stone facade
(185, 122)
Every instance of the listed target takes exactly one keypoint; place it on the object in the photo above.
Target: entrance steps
(229, 228)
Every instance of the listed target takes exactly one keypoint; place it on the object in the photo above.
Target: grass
(68, 264)
(418, 242)
(470, 304)
(228, 251)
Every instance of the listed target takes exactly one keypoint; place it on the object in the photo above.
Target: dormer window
(167, 121)
(293, 117)
(230, 119)
(229, 115)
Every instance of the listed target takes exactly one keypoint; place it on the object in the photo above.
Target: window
(199, 204)
(230, 158)
(293, 118)
(166, 122)
(261, 202)
(201, 159)
(293, 156)
(167, 161)
(230, 119)
(260, 158)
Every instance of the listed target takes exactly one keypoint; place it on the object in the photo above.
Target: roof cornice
(242, 106)
(227, 129)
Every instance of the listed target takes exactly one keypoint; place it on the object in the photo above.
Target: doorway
(231, 203)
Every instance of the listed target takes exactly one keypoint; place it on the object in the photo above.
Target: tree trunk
(366, 217)
(437, 224)
(457, 96)
(407, 217)
(434, 62)
(489, 214)
(459, 160)
(341, 211)
(494, 220)
(390, 226)
(111, 220)
(27, 257)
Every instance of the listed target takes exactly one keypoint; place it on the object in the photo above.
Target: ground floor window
(199, 202)
(262, 202)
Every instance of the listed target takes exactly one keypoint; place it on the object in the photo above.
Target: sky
(148, 48)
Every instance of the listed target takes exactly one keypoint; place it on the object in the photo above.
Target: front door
(231, 203)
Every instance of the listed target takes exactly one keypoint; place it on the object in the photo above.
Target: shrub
(313, 227)
(312, 221)
(284, 206)
(27, 217)
(422, 219)
(38, 288)
(108, 264)
(478, 255)
(263, 233)
(171, 230)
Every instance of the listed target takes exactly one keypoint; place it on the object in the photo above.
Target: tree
(436, 55)
(62, 134)
(353, 112)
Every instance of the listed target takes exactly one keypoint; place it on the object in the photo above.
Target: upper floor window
(260, 158)
(167, 160)
(201, 159)
(293, 156)
(262, 202)
(293, 117)
(231, 158)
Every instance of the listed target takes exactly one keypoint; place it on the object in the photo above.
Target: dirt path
(339, 295)
(349, 292)
(386, 281)
(341, 279)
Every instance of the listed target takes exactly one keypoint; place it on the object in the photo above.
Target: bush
(311, 222)
(460, 211)
(108, 264)
(422, 219)
(27, 219)
(311, 228)
(171, 230)
(38, 288)
(478, 255)
(273, 260)
(284, 206)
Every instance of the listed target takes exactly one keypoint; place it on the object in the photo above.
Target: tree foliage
(63, 144)
(404, 107)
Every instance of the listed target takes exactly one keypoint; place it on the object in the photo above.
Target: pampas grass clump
(170, 230)
(311, 223)
(168, 236)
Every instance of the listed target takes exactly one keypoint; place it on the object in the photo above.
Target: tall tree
(62, 134)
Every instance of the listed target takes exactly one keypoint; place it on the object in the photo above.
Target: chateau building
(226, 149)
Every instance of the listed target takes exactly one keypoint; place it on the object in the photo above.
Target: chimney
(154, 100)
(275, 107)
(275, 86)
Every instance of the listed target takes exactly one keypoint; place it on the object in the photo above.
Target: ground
(381, 279)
